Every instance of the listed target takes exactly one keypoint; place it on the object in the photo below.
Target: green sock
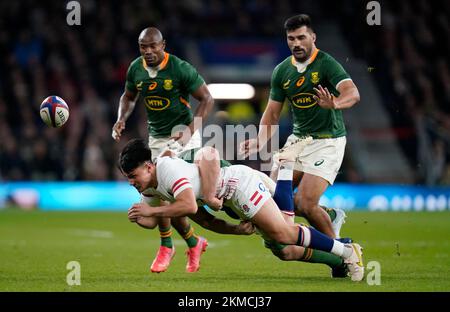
(189, 237)
(330, 212)
(318, 256)
(166, 236)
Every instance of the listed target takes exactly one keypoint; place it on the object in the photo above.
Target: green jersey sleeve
(276, 92)
(334, 72)
(190, 78)
(129, 83)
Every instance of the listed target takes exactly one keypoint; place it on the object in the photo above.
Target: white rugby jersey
(174, 175)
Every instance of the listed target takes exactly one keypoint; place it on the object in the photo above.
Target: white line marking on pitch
(92, 233)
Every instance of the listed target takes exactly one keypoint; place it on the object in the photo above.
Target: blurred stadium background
(398, 150)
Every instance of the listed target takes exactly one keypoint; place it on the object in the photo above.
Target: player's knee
(305, 204)
(282, 254)
(281, 237)
(297, 206)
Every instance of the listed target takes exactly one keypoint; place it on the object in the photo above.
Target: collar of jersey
(160, 66)
(300, 65)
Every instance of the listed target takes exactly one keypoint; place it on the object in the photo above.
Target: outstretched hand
(183, 137)
(324, 98)
(248, 147)
(246, 228)
(117, 129)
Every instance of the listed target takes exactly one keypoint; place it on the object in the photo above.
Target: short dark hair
(297, 21)
(135, 153)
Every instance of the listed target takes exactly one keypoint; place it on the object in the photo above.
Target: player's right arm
(270, 118)
(126, 106)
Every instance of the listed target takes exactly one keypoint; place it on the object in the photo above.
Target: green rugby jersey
(309, 118)
(166, 96)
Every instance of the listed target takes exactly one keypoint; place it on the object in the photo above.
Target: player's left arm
(205, 105)
(195, 85)
(336, 76)
(184, 204)
(206, 102)
(348, 96)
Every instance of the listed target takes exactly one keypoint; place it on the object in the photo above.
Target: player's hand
(248, 147)
(214, 203)
(245, 228)
(183, 137)
(324, 98)
(139, 210)
(117, 129)
(133, 219)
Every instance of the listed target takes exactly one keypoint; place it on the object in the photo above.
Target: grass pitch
(413, 250)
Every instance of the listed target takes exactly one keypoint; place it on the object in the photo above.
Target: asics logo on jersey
(303, 100)
(300, 81)
(286, 84)
(152, 86)
(156, 102)
(319, 162)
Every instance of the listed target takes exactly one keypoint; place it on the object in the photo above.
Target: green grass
(412, 248)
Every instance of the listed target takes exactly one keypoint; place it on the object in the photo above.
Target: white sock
(306, 235)
(339, 249)
(286, 171)
(348, 250)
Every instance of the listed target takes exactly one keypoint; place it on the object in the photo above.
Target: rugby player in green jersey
(165, 82)
(317, 89)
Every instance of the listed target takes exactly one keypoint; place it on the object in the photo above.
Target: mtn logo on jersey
(303, 100)
(156, 102)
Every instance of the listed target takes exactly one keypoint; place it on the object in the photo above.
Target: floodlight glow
(231, 91)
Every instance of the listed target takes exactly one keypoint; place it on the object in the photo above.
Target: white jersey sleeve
(174, 175)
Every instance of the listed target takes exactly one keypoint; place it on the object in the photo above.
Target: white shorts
(322, 157)
(250, 194)
(159, 145)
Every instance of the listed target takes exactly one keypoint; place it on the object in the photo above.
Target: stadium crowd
(409, 53)
(86, 65)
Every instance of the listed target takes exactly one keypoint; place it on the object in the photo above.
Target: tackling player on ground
(241, 188)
